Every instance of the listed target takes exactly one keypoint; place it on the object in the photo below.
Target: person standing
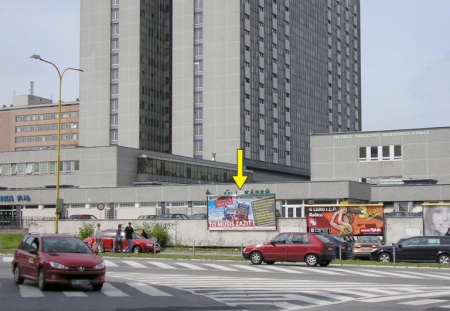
(144, 234)
(129, 236)
(118, 239)
(98, 245)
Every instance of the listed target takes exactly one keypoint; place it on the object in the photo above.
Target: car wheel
(444, 259)
(384, 257)
(97, 287)
(17, 278)
(270, 262)
(324, 263)
(41, 280)
(256, 258)
(311, 260)
(137, 249)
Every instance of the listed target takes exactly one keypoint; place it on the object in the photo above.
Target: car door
(276, 249)
(29, 262)
(297, 247)
(429, 249)
(408, 250)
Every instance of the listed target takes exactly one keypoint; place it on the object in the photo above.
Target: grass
(10, 241)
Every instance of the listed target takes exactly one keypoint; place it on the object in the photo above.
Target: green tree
(85, 230)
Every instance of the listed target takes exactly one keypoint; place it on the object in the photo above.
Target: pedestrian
(98, 245)
(118, 239)
(129, 237)
(144, 234)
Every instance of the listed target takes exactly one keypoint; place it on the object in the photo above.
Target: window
(198, 97)
(374, 153)
(198, 18)
(397, 152)
(115, 14)
(198, 50)
(198, 81)
(198, 34)
(115, 29)
(362, 153)
(198, 66)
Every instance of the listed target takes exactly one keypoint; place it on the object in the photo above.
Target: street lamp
(59, 204)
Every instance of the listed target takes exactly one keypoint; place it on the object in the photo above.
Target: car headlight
(57, 265)
(100, 266)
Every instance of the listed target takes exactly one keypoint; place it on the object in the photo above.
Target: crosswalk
(287, 294)
(288, 268)
(249, 292)
(376, 272)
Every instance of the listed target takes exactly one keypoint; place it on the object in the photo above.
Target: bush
(160, 233)
(85, 230)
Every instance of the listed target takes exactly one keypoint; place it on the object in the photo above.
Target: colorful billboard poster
(360, 219)
(436, 218)
(241, 212)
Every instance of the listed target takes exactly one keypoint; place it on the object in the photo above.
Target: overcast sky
(405, 53)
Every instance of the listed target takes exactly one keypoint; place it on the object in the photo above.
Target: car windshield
(367, 239)
(65, 245)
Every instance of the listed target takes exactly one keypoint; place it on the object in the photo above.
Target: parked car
(416, 249)
(57, 259)
(342, 248)
(199, 216)
(292, 247)
(146, 217)
(364, 245)
(82, 216)
(177, 216)
(140, 244)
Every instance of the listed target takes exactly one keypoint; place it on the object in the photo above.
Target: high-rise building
(203, 78)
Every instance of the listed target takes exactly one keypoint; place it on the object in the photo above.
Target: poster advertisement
(241, 212)
(436, 218)
(360, 219)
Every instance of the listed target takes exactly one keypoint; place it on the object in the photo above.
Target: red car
(291, 247)
(140, 244)
(57, 259)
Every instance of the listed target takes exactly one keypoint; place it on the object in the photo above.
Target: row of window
(38, 168)
(380, 153)
(45, 127)
(35, 139)
(46, 116)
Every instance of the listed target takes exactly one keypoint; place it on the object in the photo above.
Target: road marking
(413, 296)
(7, 259)
(190, 266)
(110, 264)
(74, 294)
(112, 291)
(359, 272)
(283, 269)
(422, 302)
(251, 268)
(147, 289)
(219, 267)
(134, 264)
(28, 291)
(161, 265)
(400, 275)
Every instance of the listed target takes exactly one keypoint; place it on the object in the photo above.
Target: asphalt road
(159, 284)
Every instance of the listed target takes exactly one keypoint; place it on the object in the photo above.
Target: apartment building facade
(202, 79)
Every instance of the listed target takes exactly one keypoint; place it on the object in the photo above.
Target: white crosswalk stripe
(109, 263)
(112, 291)
(147, 289)
(190, 266)
(27, 291)
(161, 265)
(134, 264)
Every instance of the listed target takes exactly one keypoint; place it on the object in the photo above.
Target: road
(159, 284)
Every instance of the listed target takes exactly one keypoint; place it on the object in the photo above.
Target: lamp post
(59, 204)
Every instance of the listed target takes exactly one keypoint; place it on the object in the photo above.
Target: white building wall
(95, 34)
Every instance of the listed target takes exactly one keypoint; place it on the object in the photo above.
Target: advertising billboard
(241, 212)
(359, 219)
(436, 218)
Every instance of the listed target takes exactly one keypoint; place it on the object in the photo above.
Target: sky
(405, 57)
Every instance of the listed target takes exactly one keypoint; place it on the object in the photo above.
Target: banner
(360, 219)
(241, 212)
(436, 218)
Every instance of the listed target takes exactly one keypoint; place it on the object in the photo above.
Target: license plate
(81, 282)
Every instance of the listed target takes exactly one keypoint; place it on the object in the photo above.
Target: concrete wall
(191, 232)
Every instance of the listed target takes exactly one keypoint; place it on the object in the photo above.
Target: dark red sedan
(57, 259)
(292, 247)
(140, 244)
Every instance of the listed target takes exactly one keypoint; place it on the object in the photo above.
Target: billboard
(436, 218)
(358, 219)
(241, 212)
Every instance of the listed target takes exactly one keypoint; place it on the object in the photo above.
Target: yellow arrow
(240, 179)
